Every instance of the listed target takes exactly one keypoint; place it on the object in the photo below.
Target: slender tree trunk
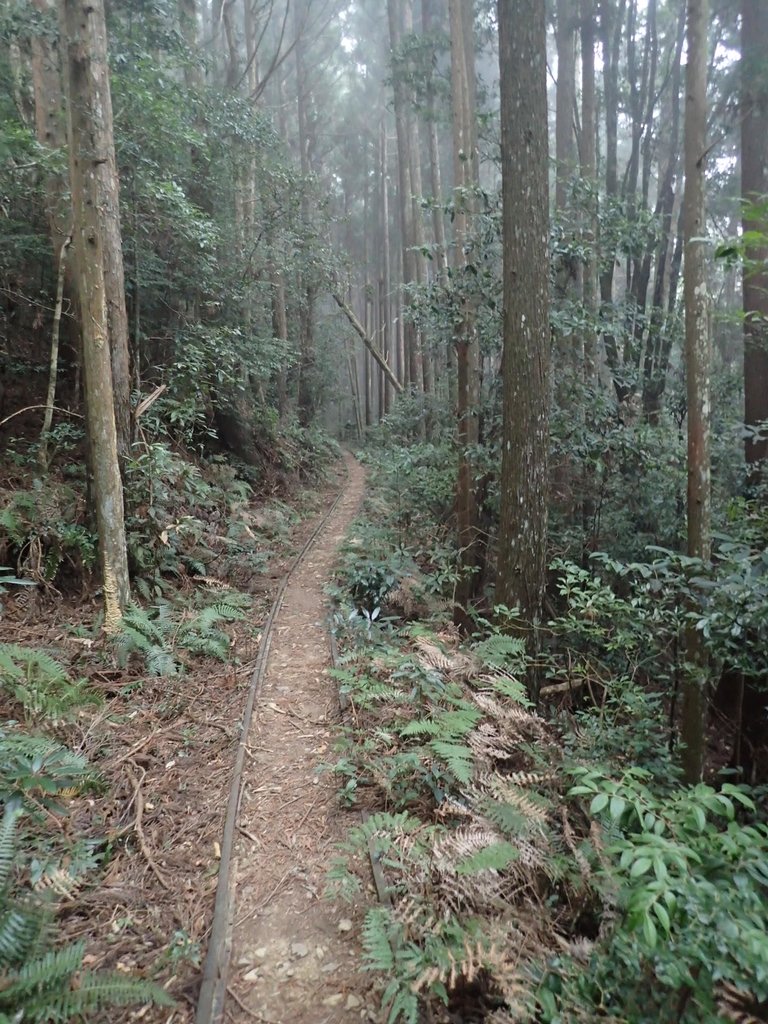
(698, 363)
(50, 124)
(306, 402)
(83, 31)
(438, 218)
(385, 279)
(525, 437)
(53, 369)
(589, 174)
(465, 172)
(754, 189)
(611, 18)
(415, 374)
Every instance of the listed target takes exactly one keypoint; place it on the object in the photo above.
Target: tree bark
(754, 190)
(698, 368)
(50, 124)
(589, 174)
(465, 175)
(524, 167)
(82, 29)
(414, 373)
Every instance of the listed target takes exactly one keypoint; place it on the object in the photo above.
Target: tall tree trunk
(611, 18)
(466, 175)
(658, 345)
(754, 189)
(438, 218)
(108, 185)
(50, 124)
(385, 273)
(589, 174)
(306, 401)
(415, 374)
(698, 366)
(568, 268)
(525, 437)
(84, 34)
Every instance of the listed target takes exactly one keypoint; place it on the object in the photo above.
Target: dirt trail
(295, 954)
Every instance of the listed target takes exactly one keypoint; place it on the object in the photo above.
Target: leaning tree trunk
(697, 363)
(524, 168)
(83, 33)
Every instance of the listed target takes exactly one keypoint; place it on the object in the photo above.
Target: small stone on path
(345, 925)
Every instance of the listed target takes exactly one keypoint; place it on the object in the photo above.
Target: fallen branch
(139, 800)
(29, 408)
(149, 401)
(369, 343)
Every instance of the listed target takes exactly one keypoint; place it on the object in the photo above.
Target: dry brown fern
(431, 656)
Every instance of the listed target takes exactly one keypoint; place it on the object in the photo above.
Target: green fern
(404, 1007)
(157, 634)
(494, 857)
(40, 768)
(12, 525)
(40, 984)
(447, 725)
(147, 638)
(383, 823)
(508, 686)
(377, 951)
(501, 651)
(7, 848)
(457, 757)
(40, 684)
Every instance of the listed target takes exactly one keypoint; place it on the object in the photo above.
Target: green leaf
(599, 803)
(649, 931)
(641, 866)
(617, 808)
(663, 916)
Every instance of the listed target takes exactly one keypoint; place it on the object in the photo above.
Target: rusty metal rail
(213, 988)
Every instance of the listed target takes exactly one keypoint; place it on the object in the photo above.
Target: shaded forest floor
(163, 747)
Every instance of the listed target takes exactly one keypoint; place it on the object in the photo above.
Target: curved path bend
(295, 955)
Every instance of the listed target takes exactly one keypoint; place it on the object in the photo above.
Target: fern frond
(495, 857)
(514, 718)
(506, 685)
(532, 806)
(41, 975)
(20, 928)
(431, 656)
(499, 650)
(509, 820)
(377, 951)
(421, 727)
(457, 757)
(7, 844)
(96, 992)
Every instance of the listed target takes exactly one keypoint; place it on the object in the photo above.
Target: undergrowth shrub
(551, 870)
(43, 531)
(37, 682)
(43, 981)
(165, 636)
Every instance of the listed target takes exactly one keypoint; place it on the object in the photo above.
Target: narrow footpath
(295, 955)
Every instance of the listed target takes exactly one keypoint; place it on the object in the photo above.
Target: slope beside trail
(295, 954)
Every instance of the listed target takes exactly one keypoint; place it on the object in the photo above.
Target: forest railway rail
(214, 988)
